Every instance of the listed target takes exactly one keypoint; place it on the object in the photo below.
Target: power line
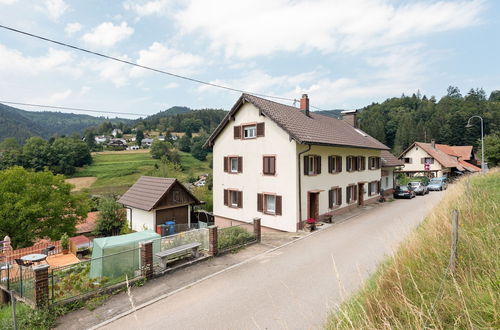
(74, 109)
(144, 66)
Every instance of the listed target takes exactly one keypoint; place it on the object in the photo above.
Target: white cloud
(58, 97)
(107, 34)
(171, 85)
(249, 28)
(55, 8)
(72, 28)
(149, 8)
(169, 59)
(7, 2)
(116, 72)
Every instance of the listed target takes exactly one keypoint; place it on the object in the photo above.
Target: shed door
(177, 214)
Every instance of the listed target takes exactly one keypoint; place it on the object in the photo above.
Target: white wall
(416, 154)
(326, 180)
(141, 220)
(387, 181)
(251, 181)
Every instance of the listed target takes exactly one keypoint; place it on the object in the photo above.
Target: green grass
(116, 172)
(412, 290)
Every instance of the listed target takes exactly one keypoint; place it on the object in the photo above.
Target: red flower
(311, 220)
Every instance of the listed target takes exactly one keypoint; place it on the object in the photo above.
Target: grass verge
(414, 290)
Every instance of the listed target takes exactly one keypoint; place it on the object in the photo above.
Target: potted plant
(311, 224)
(65, 243)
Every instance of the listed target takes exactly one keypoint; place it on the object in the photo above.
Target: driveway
(294, 287)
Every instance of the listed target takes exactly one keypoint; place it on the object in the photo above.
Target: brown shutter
(330, 198)
(355, 194)
(378, 162)
(278, 205)
(237, 132)
(226, 161)
(240, 199)
(318, 164)
(260, 129)
(306, 165)
(363, 163)
(339, 196)
(240, 164)
(265, 165)
(260, 207)
(378, 187)
(347, 194)
(330, 164)
(273, 165)
(339, 164)
(226, 197)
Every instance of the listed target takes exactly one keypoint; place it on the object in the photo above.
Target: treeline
(399, 121)
(60, 155)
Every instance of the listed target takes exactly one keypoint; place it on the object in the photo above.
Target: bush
(233, 237)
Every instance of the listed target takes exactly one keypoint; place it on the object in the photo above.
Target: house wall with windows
(415, 156)
(325, 181)
(250, 181)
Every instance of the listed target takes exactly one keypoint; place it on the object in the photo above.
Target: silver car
(438, 184)
(418, 187)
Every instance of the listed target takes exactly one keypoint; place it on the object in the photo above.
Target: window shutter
(318, 164)
(260, 207)
(240, 199)
(330, 198)
(237, 132)
(306, 165)
(355, 193)
(240, 164)
(330, 164)
(347, 194)
(226, 197)
(260, 129)
(378, 187)
(339, 196)
(226, 161)
(363, 163)
(422, 160)
(378, 162)
(369, 189)
(272, 165)
(339, 163)
(278, 205)
(265, 165)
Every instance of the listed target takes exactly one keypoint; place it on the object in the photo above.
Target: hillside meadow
(415, 288)
(116, 171)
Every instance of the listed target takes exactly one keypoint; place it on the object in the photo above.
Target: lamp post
(483, 168)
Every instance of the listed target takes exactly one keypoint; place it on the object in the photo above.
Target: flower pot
(65, 251)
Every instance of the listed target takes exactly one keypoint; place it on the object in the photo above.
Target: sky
(343, 54)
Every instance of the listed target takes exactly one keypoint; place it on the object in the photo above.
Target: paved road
(294, 287)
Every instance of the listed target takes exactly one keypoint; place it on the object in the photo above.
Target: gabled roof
(148, 191)
(314, 129)
(447, 150)
(389, 160)
(468, 166)
(440, 156)
(464, 152)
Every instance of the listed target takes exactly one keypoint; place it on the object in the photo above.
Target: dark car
(403, 192)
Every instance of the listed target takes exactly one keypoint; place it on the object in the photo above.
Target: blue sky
(344, 54)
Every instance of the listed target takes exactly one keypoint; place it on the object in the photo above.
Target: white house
(390, 164)
(116, 131)
(152, 201)
(286, 165)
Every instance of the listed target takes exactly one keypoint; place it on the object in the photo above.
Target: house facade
(390, 164)
(285, 165)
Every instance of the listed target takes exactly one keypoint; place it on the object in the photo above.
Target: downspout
(300, 183)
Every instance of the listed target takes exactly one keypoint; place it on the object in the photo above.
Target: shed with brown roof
(152, 201)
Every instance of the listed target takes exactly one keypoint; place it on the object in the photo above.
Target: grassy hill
(414, 290)
(22, 124)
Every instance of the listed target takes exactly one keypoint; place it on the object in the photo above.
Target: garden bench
(182, 250)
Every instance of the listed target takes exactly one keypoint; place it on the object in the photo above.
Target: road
(294, 287)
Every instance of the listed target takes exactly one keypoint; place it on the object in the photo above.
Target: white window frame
(233, 198)
(233, 161)
(267, 209)
(249, 129)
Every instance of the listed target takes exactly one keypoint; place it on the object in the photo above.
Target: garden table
(35, 257)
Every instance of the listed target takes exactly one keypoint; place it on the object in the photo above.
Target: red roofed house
(88, 226)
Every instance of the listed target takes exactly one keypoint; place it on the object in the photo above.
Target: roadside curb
(166, 295)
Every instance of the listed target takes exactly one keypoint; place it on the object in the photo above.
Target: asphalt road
(294, 287)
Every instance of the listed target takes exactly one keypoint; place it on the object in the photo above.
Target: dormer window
(249, 132)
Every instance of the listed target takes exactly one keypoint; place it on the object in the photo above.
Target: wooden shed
(152, 201)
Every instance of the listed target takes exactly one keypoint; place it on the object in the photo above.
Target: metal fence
(230, 238)
(77, 280)
(18, 279)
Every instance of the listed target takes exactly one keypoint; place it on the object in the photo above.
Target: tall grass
(414, 290)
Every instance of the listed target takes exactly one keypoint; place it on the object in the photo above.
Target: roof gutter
(300, 183)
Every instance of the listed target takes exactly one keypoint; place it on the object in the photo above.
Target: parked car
(403, 192)
(425, 180)
(418, 187)
(438, 184)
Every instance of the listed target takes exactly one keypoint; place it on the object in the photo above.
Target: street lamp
(483, 167)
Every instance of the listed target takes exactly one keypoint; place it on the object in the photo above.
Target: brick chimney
(433, 143)
(349, 116)
(304, 104)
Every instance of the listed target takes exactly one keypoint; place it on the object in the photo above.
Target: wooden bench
(182, 250)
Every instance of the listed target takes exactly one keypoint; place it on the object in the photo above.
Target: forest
(399, 121)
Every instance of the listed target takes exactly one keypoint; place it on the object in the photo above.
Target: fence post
(147, 259)
(257, 229)
(212, 241)
(41, 285)
(454, 240)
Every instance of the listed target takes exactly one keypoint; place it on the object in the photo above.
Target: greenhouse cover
(117, 256)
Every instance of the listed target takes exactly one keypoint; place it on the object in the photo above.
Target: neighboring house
(100, 139)
(285, 165)
(390, 163)
(152, 201)
(146, 142)
(88, 225)
(117, 144)
(116, 132)
(441, 160)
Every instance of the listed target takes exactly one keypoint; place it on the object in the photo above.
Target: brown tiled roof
(88, 225)
(440, 156)
(316, 129)
(389, 160)
(463, 152)
(148, 191)
(469, 166)
(447, 149)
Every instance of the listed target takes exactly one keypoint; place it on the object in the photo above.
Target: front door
(361, 193)
(313, 205)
